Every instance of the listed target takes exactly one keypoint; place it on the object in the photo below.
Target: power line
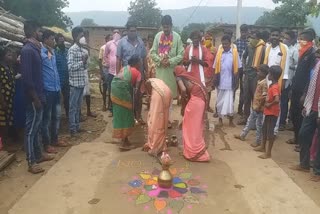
(193, 12)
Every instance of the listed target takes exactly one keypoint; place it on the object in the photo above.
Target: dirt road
(94, 177)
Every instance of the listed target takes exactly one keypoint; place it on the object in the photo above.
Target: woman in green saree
(124, 88)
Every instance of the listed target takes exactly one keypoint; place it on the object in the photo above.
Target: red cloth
(135, 75)
(316, 95)
(194, 146)
(210, 71)
(195, 67)
(273, 110)
(305, 48)
(198, 89)
(314, 147)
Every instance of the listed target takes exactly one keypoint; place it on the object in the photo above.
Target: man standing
(226, 65)
(111, 55)
(77, 64)
(35, 98)
(62, 65)
(87, 87)
(167, 52)
(128, 46)
(277, 54)
(209, 44)
(291, 42)
(104, 70)
(253, 57)
(52, 107)
(242, 44)
(196, 58)
(306, 62)
(310, 123)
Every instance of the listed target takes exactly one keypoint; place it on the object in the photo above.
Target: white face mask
(83, 41)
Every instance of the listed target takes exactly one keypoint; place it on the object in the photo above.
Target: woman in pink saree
(195, 93)
(158, 116)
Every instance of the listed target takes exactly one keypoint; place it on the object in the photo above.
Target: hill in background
(181, 17)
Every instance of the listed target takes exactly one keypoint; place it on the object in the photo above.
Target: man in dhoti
(226, 65)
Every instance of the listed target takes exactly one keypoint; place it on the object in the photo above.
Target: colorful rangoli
(187, 191)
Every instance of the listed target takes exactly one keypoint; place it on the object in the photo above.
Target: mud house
(97, 34)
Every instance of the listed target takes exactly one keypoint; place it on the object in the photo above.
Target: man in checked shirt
(242, 44)
(77, 65)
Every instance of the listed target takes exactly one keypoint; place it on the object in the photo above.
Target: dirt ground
(15, 181)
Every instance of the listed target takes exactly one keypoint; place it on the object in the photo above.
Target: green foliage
(46, 12)
(145, 13)
(93, 63)
(88, 22)
(291, 13)
(187, 30)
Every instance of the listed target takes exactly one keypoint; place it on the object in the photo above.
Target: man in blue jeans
(311, 122)
(291, 41)
(61, 52)
(77, 65)
(52, 89)
(35, 98)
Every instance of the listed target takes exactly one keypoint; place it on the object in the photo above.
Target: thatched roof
(11, 30)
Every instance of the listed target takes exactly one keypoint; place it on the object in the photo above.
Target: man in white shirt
(278, 54)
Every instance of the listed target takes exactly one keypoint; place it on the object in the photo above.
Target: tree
(290, 13)
(145, 13)
(45, 12)
(88, 22)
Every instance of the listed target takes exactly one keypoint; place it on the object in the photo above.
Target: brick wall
(96, 36)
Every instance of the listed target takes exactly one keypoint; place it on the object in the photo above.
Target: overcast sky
(122, 5)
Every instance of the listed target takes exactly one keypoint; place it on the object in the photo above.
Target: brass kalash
(165, 177)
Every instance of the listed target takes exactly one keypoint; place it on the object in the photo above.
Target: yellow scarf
(258, 53)
(283, 50)
(235, 59)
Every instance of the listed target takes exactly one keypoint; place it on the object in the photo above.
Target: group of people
(272, 69)
(156, 69)
(33, 80)
(291, 65)
(277, 73)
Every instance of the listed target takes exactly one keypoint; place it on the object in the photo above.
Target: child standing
(271, 112)
(256, 116)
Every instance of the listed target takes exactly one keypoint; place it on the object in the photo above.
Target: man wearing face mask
(301, 79)
(31, 70)
(111, 55)
(86, 92)
(253, 57)
(62, 66)
(128, 46)
(77, 65)
(104, 70)
(291, 41)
